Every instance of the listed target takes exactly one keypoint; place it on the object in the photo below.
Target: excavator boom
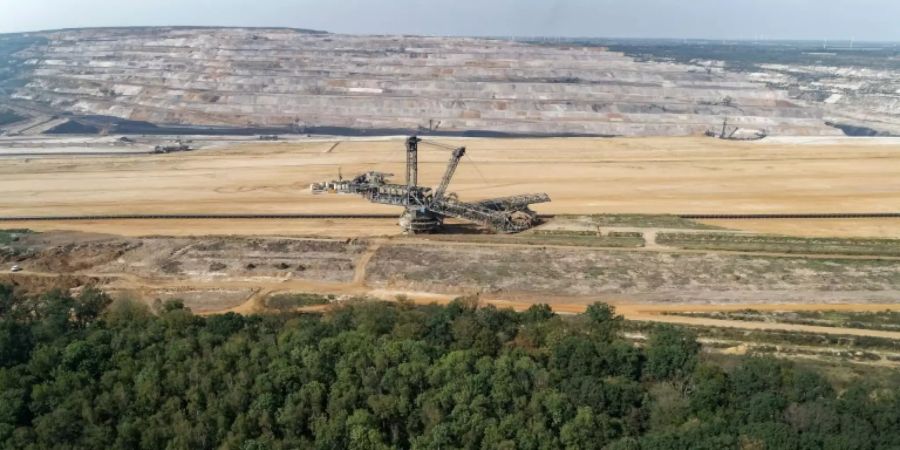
(448, 174)
(426, 209)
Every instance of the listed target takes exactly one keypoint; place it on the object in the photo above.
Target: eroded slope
(309, 81)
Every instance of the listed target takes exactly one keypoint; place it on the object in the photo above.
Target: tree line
(83, 372)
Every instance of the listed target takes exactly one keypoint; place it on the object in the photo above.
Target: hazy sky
(748, 19)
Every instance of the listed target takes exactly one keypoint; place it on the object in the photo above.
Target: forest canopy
(82, 372)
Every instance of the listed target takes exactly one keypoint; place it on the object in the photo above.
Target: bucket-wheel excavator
(426, 209)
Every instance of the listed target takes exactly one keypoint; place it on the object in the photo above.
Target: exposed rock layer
(277, 77)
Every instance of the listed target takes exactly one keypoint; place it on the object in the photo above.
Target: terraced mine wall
(857, 85)
(309, 82)
(13, 70)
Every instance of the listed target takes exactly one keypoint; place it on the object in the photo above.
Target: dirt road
(261, 288)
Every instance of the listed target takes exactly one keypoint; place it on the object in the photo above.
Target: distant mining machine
(736, 133)
(425, 209)
(177, 146)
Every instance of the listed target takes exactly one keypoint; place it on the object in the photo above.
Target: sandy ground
(879, 228)
(162, 268)
(231, 290)
(236, 227)
(641, 175)
(883, 227)
(583, 176)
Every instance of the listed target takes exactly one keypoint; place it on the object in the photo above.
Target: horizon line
(479, 36)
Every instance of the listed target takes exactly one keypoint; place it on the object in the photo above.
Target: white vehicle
(15, 268)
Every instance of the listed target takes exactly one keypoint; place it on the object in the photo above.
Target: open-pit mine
(198, 164)
(295, 80)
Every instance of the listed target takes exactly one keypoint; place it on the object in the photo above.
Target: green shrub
(287, 302)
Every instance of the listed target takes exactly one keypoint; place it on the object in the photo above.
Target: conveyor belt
(196, 216)
(790, 216)
(394, 216)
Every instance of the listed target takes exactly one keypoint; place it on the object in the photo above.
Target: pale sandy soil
(583, 176)
(641, 175)
(879, 228)
(882, 228)
(831, 140)
(631, 311)
(210, 300)
(236, 227)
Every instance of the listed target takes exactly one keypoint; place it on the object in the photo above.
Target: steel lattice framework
(425, 209)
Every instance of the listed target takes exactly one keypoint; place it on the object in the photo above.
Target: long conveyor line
(394, 216)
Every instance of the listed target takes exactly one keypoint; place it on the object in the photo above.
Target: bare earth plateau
(219, 265)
